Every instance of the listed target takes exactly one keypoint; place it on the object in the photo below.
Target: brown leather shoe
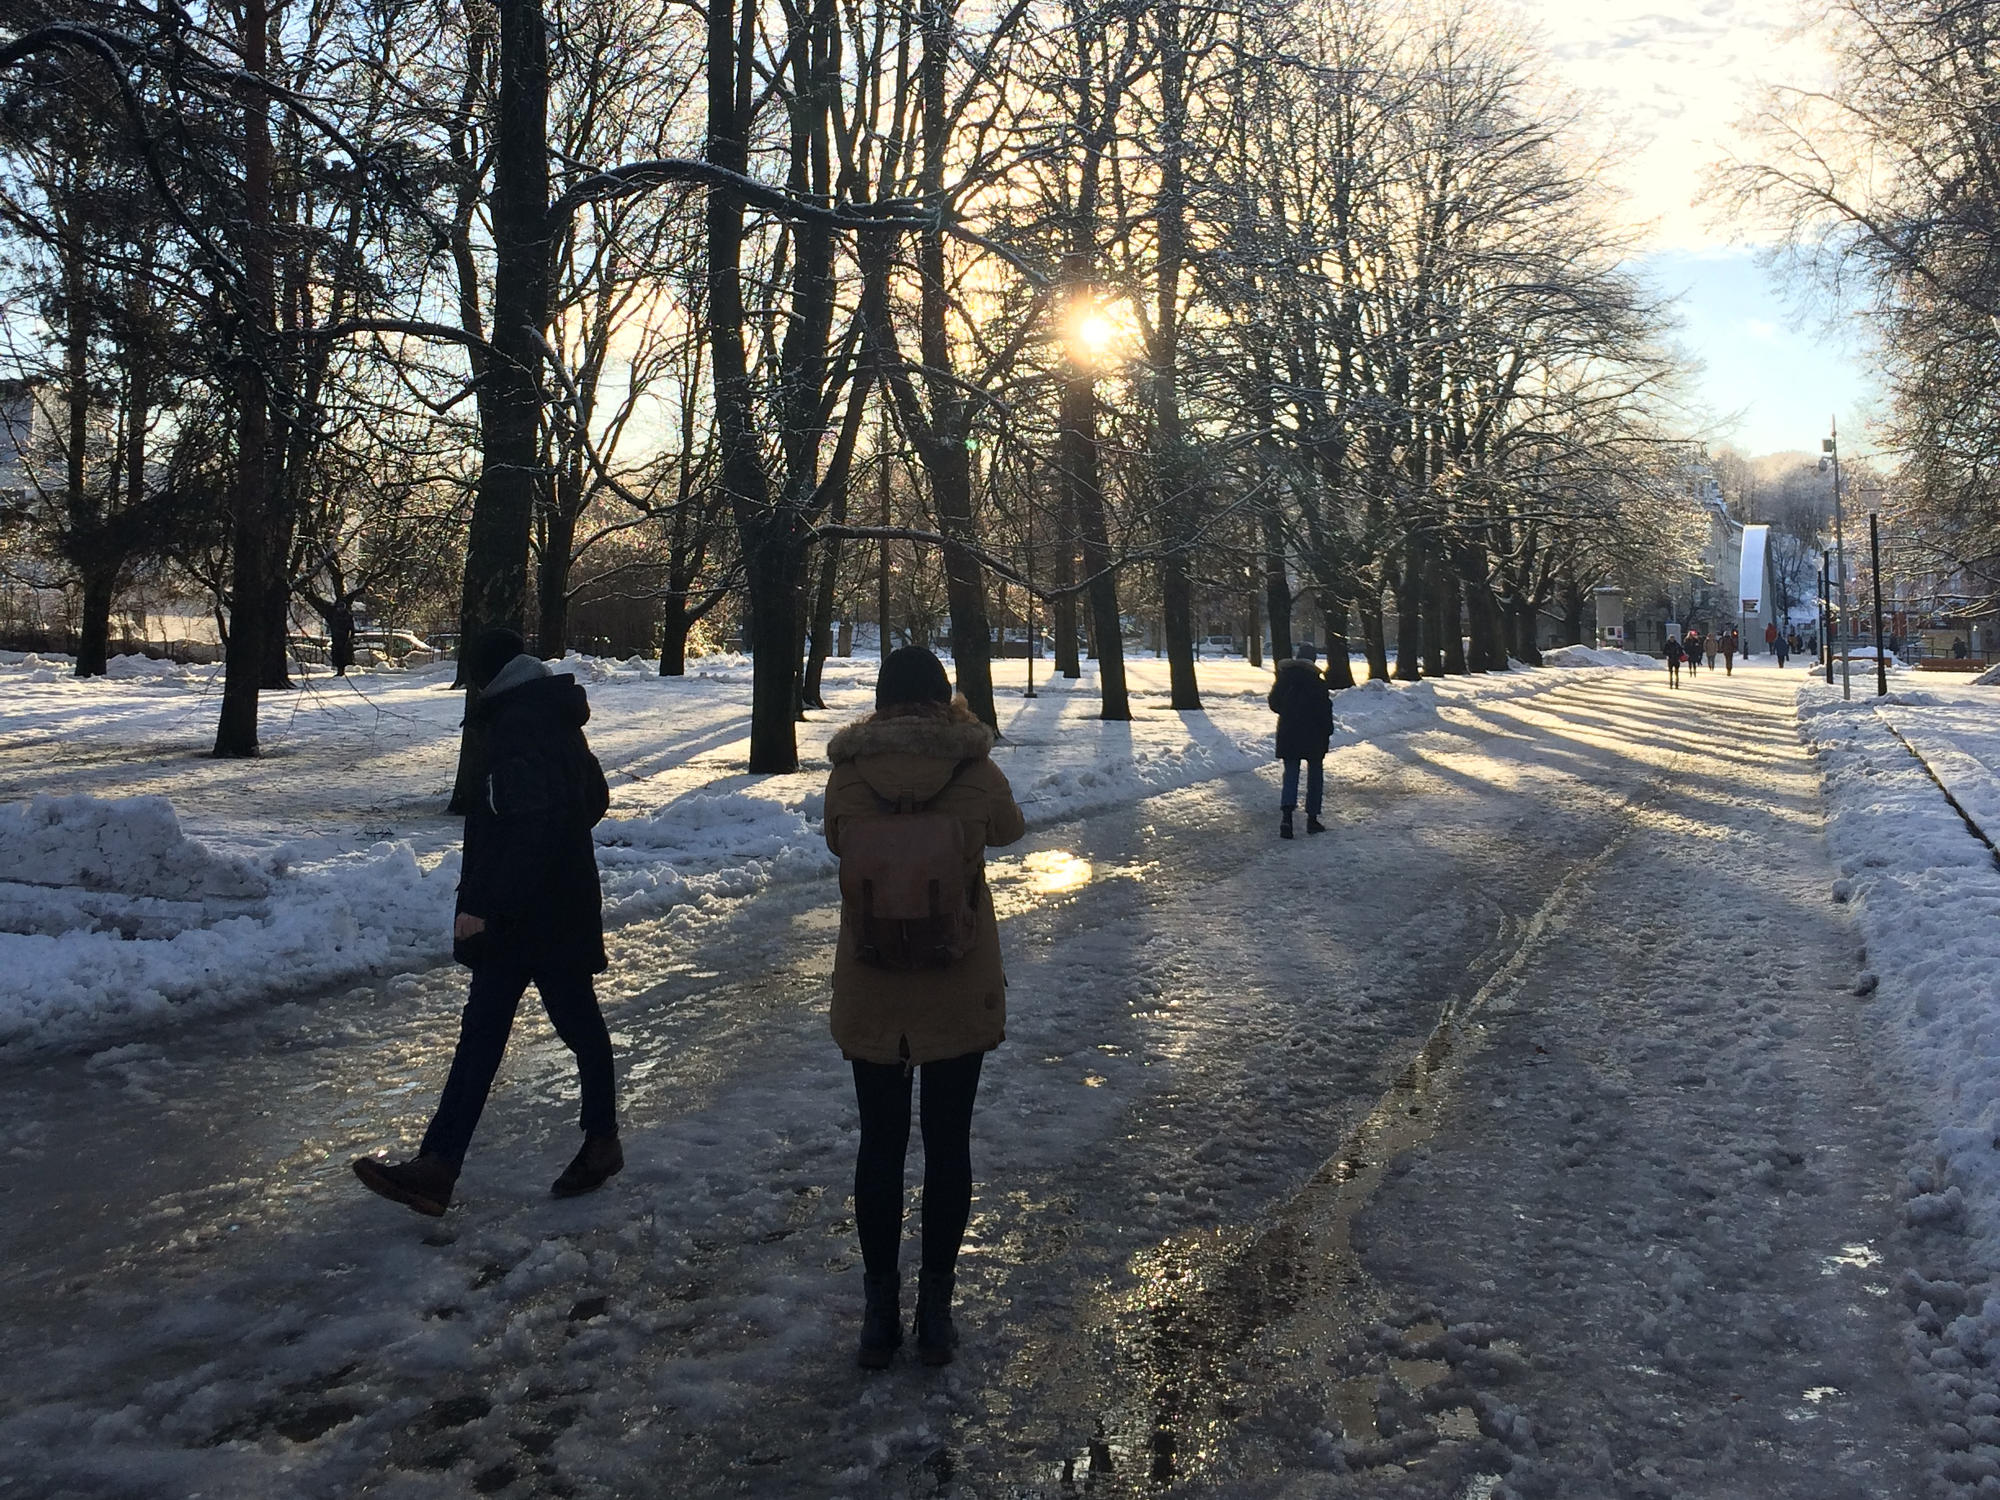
(423, 1183)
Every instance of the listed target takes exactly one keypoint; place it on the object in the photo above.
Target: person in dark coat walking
(530, 911)
(1304, 706)
(1675, 651)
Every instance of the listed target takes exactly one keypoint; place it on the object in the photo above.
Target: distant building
(22, 427)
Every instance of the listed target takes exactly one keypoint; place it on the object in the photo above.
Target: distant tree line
(801, 305)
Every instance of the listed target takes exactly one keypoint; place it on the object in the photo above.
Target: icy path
(1251, 1221)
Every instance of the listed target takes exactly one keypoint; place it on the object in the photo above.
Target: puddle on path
(1019, 884)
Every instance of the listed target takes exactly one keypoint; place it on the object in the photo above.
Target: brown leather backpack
(903, 879)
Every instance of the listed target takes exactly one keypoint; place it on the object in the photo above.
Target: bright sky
(1669, 84)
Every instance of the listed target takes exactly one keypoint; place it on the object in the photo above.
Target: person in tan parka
(920, 746)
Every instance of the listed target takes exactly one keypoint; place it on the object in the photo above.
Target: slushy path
(1523, 1133)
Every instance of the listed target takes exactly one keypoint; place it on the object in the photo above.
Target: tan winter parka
(886, 1017)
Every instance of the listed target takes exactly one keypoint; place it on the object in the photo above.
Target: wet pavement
(1413, 1160)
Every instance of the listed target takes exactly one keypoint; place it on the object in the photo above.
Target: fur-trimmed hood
(952, 738)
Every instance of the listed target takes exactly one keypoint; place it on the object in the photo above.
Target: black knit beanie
(910, 674)
(491, 650)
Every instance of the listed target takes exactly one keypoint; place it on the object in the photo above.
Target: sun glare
(1092, 336)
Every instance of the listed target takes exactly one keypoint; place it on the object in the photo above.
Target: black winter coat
(1304, 706)
(530, 868)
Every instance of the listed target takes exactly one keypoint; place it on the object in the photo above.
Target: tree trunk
(1369, 608)
(243, 657)
(1077, 443)
(1434, 616)
(1527, 625)
(1173, 475)
(1255, 638)
(1489, 651)
(675, 624)
(552, 570)
(1333, 618)
(1062, 608)
(93, 647)
(821, 645)
(1177, 606)
(1409, 590)
(511, 479)
(1451, 611)
(882, 490)
(1572, 597)
(277, 668)
(772, 571)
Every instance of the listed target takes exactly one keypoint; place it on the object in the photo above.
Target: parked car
(1217, 645)
(1017, 643)
(374, 647)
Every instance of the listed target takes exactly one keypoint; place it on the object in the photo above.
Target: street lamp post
(1029, 586)
(1875, 576)
(1830, 445)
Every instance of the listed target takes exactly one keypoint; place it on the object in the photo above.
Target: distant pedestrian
(529, 912)
(912, 805)
(1712, 645)
(1675, 651)
(1304, 705)
(1691, 649)
(1781, 647)
(1774, 641)
(1959, 650)
(1730, 641)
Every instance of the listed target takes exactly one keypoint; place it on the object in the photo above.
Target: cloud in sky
(1669, 88)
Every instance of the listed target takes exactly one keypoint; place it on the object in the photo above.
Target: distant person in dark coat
(1675, 651)
(529, 911)
(1304, 706)
(1691, 649)
(1730, 641)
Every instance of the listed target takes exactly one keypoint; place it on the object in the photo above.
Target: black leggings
(883, 1092)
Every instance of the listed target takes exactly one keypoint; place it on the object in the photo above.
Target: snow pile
(1074, 790)
(593, 669)
(1988, 678)
(720, 844)
(132, 844)
(1927, 892)
(1595, 656)
(111, 913)
(146, 667)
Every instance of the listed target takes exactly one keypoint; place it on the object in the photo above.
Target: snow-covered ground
(1925, 885)
(329, 858)
(1524, 1136)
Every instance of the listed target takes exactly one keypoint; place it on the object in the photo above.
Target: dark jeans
(482, 1039)
(883, 1092)
(1315, 785)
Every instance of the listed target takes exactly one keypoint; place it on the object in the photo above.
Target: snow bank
(326, 861)
(132, 844)
(1593, 656)
(111, 914)
(1927, 891)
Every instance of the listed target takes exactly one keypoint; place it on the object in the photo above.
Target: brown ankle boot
(424, 1182)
